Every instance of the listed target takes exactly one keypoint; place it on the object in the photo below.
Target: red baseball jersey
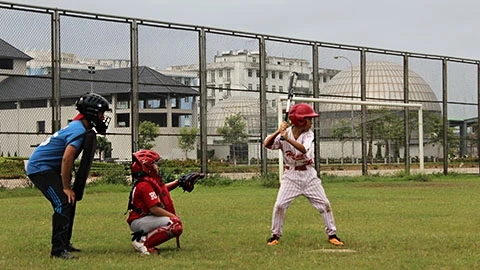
(146, 194)
(143, 197)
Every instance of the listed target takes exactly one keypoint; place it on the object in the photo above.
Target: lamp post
(351, 112)
(91, 71)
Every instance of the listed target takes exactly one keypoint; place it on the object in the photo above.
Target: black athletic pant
(50, 183)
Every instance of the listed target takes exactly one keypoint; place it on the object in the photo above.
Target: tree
(233, 132)
(384, 125)
(340, 132)
(148, 131)
(103, 145)
(435, 131)
(187, 139)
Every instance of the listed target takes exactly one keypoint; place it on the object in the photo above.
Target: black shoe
(66, 255)
(71, 248)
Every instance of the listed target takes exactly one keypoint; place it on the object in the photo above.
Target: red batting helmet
(299, 112)
(143, 161)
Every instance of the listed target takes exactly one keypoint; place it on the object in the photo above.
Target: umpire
(51, 164)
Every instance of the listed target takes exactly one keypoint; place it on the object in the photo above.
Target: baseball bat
(291, 86)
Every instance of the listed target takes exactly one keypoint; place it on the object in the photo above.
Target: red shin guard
(163, 234)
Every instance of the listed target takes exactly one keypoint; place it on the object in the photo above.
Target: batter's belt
(297, 168)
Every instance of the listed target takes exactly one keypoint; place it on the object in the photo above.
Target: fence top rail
(34, 8)
(354, 102)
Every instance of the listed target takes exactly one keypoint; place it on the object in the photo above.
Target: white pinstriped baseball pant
(297, 183)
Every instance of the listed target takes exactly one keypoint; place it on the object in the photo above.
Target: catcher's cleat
(65, 255)
(140, 247)
(334, 240)
(274, 240)
(71, 248)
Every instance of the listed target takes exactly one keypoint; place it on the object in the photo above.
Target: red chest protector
(160, 189)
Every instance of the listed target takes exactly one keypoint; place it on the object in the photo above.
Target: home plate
(339, 250)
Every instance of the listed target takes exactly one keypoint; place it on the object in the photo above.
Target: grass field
(386, 224)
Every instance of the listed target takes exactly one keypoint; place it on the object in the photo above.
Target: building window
(250, 87)
(220, 73)
(227, 85)
(250, 73)
(6, 63)
(280, 75)
(212, 76)
(123, 120)
(258, 73)
(153, 104)
(228, 74)
(157, 118)
(40, 126)
(122, 104)
(273, 74)
(280, 89)
(173, 102)
(273, 88)
(258, 86)
(254, 59)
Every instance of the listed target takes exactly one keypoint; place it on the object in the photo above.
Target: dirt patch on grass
(410, 184)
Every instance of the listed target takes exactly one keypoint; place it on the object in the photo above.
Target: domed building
(384, 83)
(249, 108)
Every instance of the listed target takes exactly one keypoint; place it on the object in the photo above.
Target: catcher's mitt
(188, 181)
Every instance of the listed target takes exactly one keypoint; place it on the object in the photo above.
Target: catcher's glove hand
(187, 182)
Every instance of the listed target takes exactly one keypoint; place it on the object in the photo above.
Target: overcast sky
(440, 27)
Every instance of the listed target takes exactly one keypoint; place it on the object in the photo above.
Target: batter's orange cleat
(274, 240)
(334, 240)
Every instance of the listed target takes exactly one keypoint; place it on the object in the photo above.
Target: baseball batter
(299, 178)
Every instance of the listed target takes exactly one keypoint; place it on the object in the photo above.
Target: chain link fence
(181, 77)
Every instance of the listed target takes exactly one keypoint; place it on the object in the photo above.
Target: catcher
(152, 217)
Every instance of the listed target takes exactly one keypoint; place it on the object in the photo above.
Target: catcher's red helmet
(299, 112)
(143, 161)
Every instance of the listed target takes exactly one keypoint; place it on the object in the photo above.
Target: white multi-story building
(238, 73)
(41, 63)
